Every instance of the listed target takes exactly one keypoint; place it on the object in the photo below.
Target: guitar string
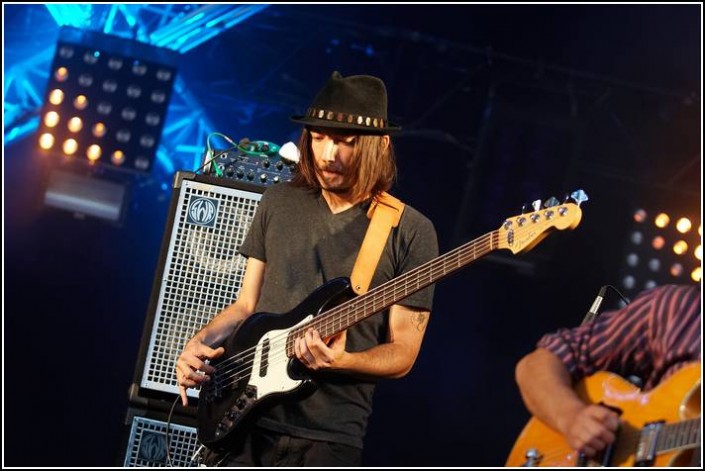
(328, 324)
(630, 440)
(423, 271)
(374, 291)
(481, 239)
(325, 321)
(480, 243)
(461, 254)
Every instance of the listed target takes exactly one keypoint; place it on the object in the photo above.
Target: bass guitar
(259, 365)
(658, 428)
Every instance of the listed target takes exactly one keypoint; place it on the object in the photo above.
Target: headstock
(523, 232)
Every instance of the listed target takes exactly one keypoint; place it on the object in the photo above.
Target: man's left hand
(316, 354)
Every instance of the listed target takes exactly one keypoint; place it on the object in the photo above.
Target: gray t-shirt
(305, 245)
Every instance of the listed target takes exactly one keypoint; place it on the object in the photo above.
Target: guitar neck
(381, 297)
(679, 435)
(518, 233)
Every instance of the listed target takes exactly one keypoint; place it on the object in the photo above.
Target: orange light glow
(61, 74)
(93, 152)
(99, 129)
(46, 141)
(70, 146)
(51, 119)
(658, 242)
(56, 97)
(80, 102)
(680, 247)
(683, 225)
(75, 124)
(118, 157)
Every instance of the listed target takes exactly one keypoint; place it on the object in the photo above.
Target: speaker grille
(147, 444)
(202, 272)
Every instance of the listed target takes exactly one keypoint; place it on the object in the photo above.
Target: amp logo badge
(202, 212)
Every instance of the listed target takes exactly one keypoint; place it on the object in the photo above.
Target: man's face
(333, 151)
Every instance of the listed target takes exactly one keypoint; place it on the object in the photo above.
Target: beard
(337, 190)
(338, 183)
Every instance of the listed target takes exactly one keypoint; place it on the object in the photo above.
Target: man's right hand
(591, 429)
(191, 368)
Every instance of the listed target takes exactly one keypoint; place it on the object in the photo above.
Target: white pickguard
(276, 379)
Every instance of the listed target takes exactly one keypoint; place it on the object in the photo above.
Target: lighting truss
(202, 24)
(24, 83)
(187, 124)
(186, 129)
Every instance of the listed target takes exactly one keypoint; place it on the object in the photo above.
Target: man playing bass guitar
(304, 234)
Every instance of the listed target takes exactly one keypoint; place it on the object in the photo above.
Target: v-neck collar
(325, 207)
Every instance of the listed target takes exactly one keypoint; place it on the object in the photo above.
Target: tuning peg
(552, 201)
(531, 207)
(579, 196)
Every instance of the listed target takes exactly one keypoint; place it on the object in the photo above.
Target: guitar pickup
(646, 450)
(265, 358)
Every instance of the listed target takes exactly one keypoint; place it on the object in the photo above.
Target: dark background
(500, 104)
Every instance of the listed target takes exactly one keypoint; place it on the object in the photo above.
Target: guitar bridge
(210, 390)
(213, 389)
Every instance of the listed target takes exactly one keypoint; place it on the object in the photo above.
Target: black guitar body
(255, 370)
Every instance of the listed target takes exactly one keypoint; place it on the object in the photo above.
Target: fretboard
(679, 435)
(381, 297)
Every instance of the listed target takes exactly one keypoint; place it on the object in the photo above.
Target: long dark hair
(373, 164)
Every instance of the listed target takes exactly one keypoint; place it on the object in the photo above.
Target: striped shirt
(651, 338)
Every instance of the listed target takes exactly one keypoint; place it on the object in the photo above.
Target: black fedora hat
(357, 102)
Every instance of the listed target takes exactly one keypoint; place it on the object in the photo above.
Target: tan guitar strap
(385, 213)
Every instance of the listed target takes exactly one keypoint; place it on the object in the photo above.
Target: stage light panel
(661, 248)
(109, 93)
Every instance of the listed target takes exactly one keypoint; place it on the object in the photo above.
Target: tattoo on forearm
(419, 319)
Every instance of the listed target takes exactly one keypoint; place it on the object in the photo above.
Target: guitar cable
(196, 455)
(218, 172)
(593, 312)
(168, 425)
(625, 300)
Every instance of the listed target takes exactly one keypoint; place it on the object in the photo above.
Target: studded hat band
(339, 117)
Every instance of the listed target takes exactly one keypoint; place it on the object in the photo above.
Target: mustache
(332, 168)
